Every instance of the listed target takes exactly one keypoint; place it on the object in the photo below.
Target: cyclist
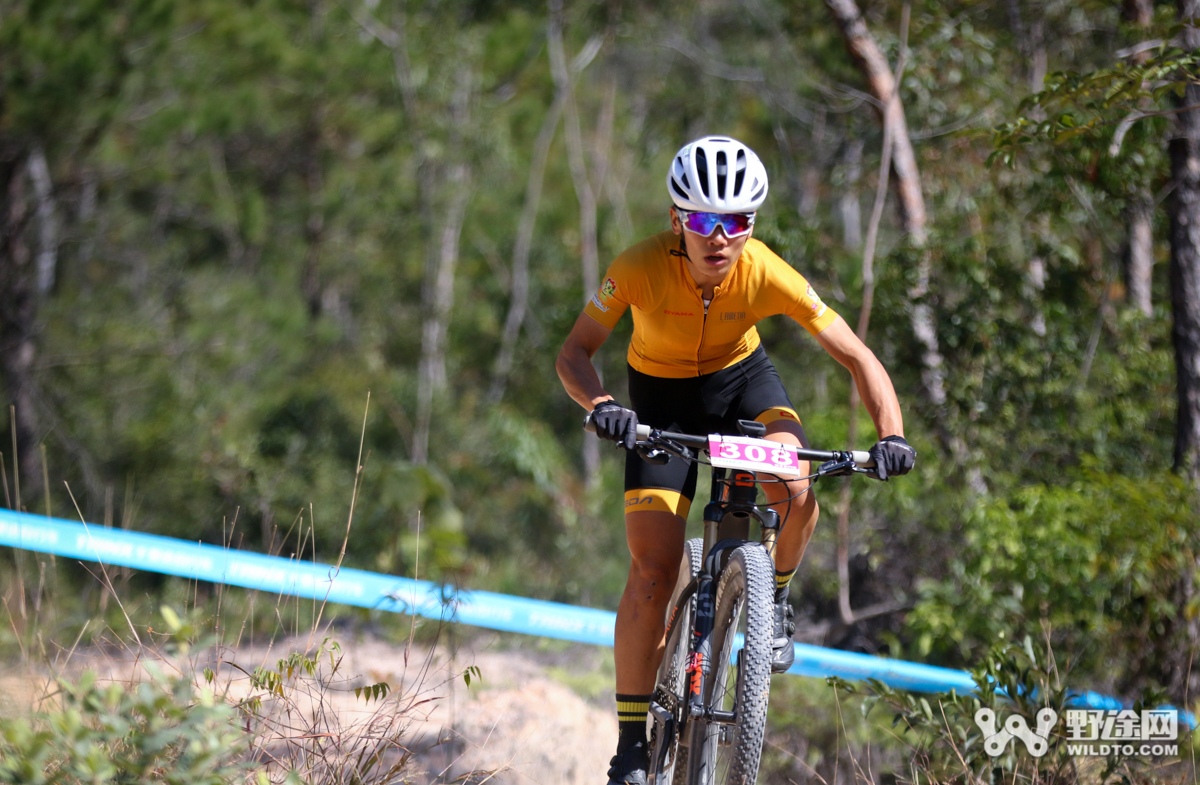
(696, 365)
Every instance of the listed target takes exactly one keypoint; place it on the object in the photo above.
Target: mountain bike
(708, 712)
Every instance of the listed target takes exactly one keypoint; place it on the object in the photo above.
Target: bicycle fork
(726, 517)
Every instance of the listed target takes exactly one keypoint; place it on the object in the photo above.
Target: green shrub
(158, 731)
(1104, 563)
(947, 746)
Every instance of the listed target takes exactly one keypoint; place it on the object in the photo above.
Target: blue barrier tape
(310, 580)
(292, 577)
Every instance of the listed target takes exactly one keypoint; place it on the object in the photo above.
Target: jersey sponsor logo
(733, 316)
(596, 302)
(609, 289)
(818, 307)
(787, 414)
(678, 313)
(634, 502)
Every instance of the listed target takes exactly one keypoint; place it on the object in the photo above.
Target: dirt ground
(521, 716)
(534, 712)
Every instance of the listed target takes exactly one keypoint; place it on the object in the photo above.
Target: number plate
(756, 455)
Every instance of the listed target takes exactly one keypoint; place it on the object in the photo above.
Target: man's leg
(656, 546)
(799, 516)
(798, 513)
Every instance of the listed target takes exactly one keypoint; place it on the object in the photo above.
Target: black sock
(782, 582)
(631, 720)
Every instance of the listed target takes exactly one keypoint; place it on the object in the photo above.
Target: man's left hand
(893, 456)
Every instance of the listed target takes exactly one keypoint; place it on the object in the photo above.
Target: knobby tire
(743, 603)
(668, 757)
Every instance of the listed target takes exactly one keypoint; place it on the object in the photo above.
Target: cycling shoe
(783, 654)
(629, 767)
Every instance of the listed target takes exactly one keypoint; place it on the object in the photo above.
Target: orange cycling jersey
(673, 334)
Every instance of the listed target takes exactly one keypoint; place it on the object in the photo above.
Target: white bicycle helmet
(717, 174)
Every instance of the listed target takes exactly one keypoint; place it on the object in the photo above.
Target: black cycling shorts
(713, 403)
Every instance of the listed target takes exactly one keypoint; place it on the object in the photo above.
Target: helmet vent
(740, 177)
(675, 187)
(702, 170)
(683, 177)
(722, 168)
(759, 192)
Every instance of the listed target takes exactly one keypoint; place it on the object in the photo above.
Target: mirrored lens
(733, 224)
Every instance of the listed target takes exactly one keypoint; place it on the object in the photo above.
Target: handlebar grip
(643, 430)
(863, 459)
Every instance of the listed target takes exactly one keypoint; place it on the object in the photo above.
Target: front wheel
(668, 758)
(726, 748)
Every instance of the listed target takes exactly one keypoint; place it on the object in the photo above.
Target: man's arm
(874, 385)
(574, 363)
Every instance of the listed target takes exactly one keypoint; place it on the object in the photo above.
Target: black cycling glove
(615, 422)
(893, 456)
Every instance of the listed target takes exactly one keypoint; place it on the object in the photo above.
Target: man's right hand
(616, 423)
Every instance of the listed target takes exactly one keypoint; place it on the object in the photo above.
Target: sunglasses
(704, 224)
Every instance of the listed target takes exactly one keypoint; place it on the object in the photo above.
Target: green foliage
(946, 743)
(160, 731)
(376, 692)
(1080, 104)
(64, 65)
(1098, 563)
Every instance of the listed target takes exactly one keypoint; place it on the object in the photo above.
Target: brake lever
(838, 468)
(677, 448)
(653, 455)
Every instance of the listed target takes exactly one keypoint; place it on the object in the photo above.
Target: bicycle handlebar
(645, 433)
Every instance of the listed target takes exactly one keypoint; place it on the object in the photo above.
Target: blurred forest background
(223, 223)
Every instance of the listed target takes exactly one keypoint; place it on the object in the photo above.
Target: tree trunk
(864, 323)
(438, 289)
(314, 224)
(519, 291)
(18, 315)
(811, 171)
(1035, 284)
(1138, 12)
(881, 84)
(589, 249)
(1139, 215)
(1038, 59)
(47, 213)
(575, 157)
(1139, 253)
(849, 209)
(1184, 212)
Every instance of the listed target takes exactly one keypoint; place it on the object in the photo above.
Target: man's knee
(656, 547)
(653, 576)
